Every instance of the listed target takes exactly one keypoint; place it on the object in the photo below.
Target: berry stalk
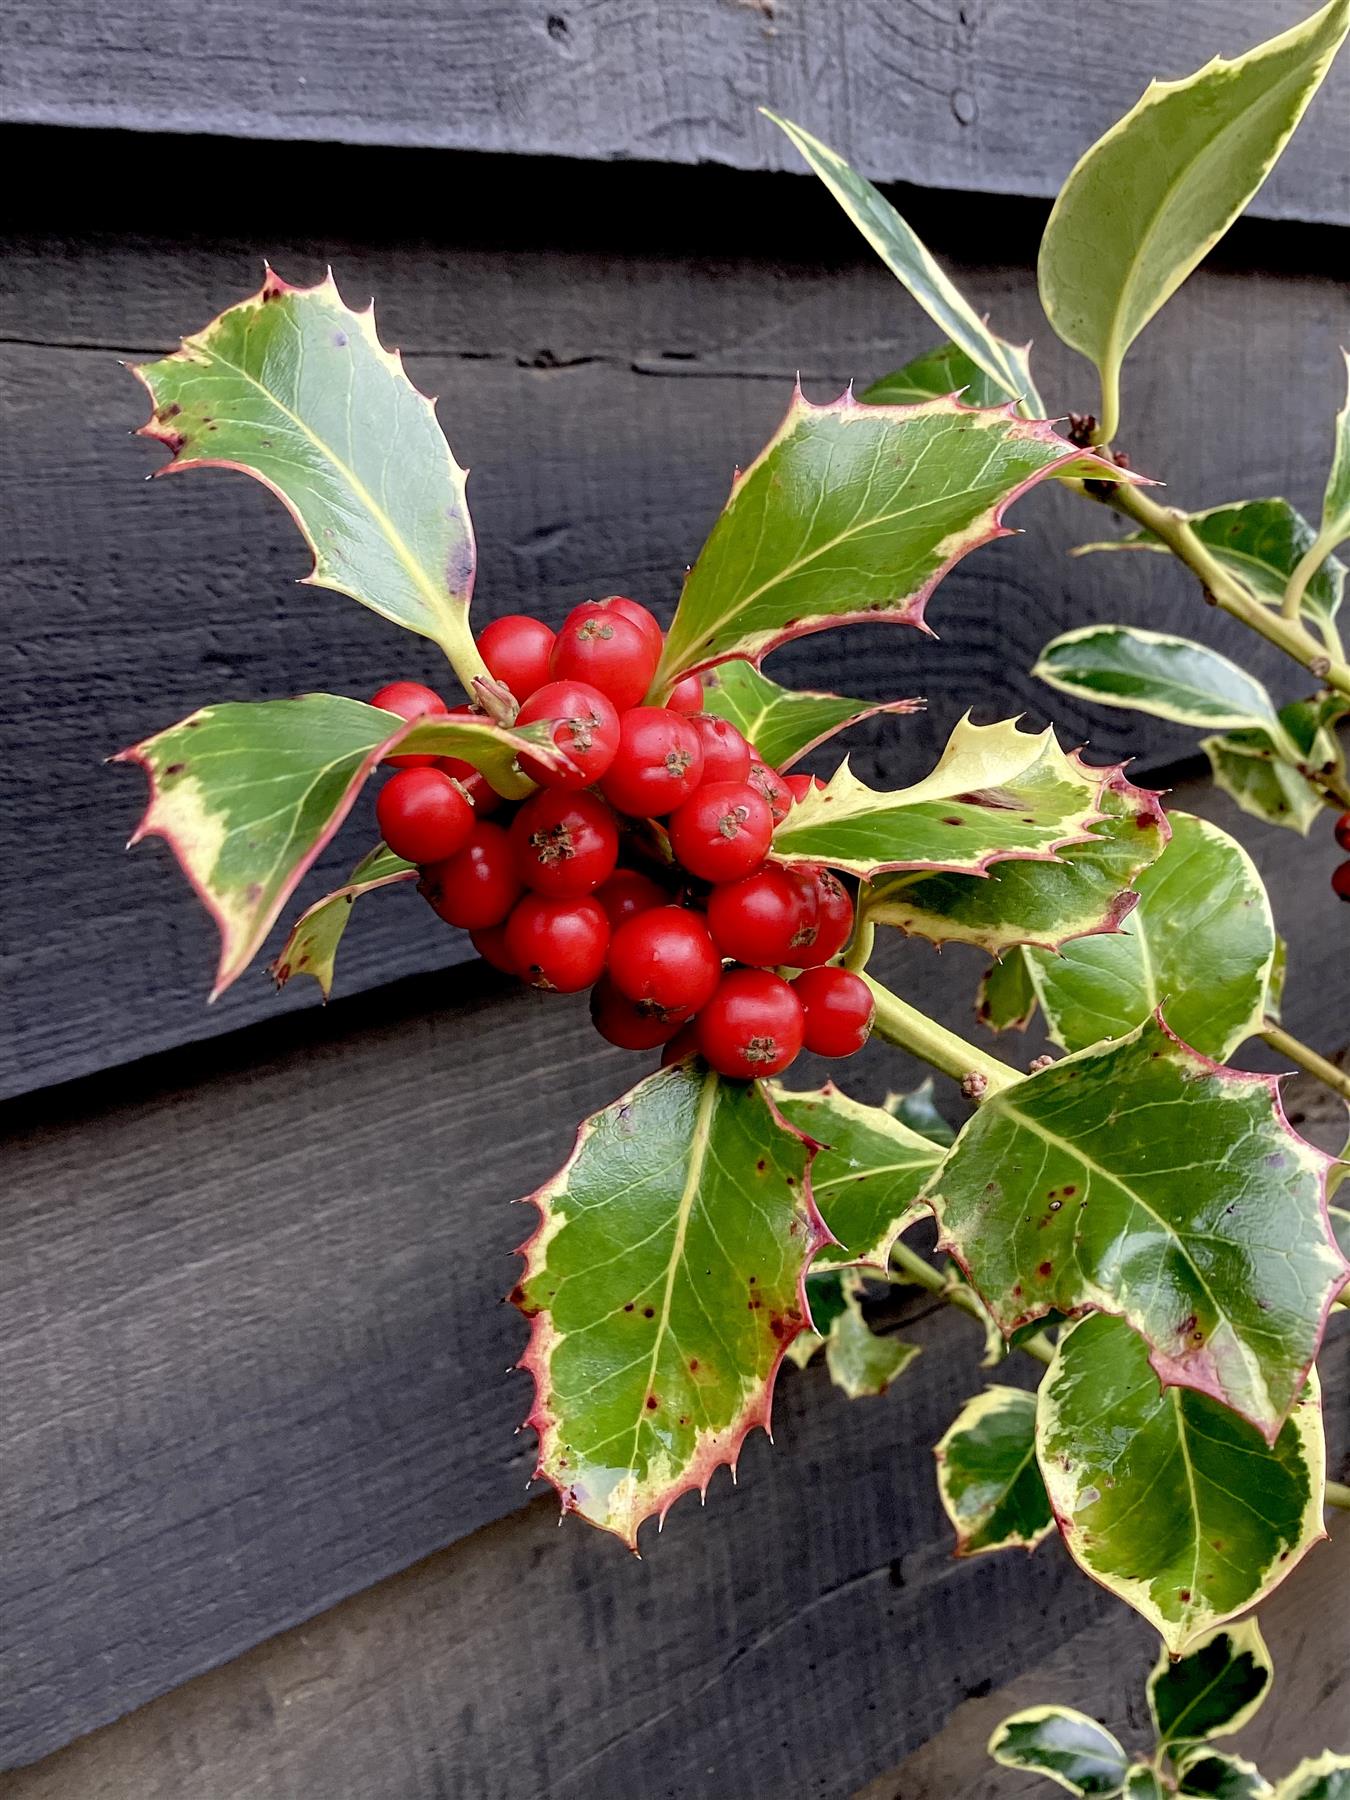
(979, 1074)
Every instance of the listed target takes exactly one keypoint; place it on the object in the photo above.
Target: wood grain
(998, 96)
(607, 344)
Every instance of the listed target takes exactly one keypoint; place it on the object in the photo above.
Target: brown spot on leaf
(1044, 1269)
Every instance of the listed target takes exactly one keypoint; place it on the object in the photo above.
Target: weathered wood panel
(998, 96)
(607, 344)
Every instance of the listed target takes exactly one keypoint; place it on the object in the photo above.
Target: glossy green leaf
(1140, 1178)
(1153, 196)
(1143, 1783)
(1063, 1745)
(826, 1299)
(863, 1362)
(1262, 542)
(945, 370)
(1087, 889)
(1218, 1685)
(996, 792)
(850, 513)
(295, 388)
(248, 793)
(988, 1479)
(866, 1174)
(1324, 1777)
(1200, 944)
(782, 723)
(1153, 672)
(917, 1110)
(312, 947)
(663, 1284)
(1005, 999)
(1215, 1775)
(1262, 783)
(1167, 1498)
(909, 261)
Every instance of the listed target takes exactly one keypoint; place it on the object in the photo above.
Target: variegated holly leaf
(249, 792)
(1153, 196)
(1143, 1783)
(1273, 776)
(990, 1486)
(862, 1362)
(1166, 1497)
(663, 1284)
(1216, 1775)
(1261, 542)
(945, 370)
(1215, 1688)
(1200, 944)
(909, 261)
(917, 1110)
(782, 723)
(1324, 1777)
(996, 792)
(1087, 889)
(1154, 672)
(849, 513)
(295, 388)
(867, 1171)
(1065, 1746)
(1005, 999)
(1140, 1178)
(312, 947)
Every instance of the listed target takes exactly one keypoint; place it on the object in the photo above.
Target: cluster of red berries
(642, 871)
(1340, 875)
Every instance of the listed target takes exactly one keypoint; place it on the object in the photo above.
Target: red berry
(758, 919)
(423, 816)
(558, 944)
(478, 886)
(667, 958)
(479, 792)
(631, 1024)
(722, 831)
(516, 650)
(827, 916)
(1340, 881)
(839, 1010)
(565, 844)
(410, 700)
(726, 755)
(752, 1026)
(770, 783)
(687, 695)
(587, 730)
(684, 1043)
(607, 651)
(490, 943)
(799, 786)
(1341, 831)
(647, 622)
(658, 764)
(627, 892)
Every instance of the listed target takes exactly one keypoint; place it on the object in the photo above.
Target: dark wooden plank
(999, 96)
(608, 343)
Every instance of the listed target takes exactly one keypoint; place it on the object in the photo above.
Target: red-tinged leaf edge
(721, 1449)
(1172, 1371)
(281, 972)
(899, 708)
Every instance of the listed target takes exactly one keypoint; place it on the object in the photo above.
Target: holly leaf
(917, 1110)
(826, 1300)
(1216, 1687)
(663, 1284)
(1085, 890)
(1065, 1746)
(781, 723)
(1163, 1495)
(312, 947)
(1262, 783)
(1005, 999)
(908, 260)
(1200, 944)
(1214, 1775)
(1153, 196)
(862, 1362)
(996, 792)
(249, 792)
(1154, 672)
(1143, 1783)
(988, 1481)
(1324, 1777)
(850, 513)
(868, 1169)
(295, 389)
(946, 370)
(1140, 1178)
(1261, 542)
(1336, 501)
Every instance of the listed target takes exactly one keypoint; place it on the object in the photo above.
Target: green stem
(1175, 530)
(914, 1269)
(1338, 1080)
(1311, 561)
(465, 659)
(1338, 1495)
(860, 950)
(900, 1023)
